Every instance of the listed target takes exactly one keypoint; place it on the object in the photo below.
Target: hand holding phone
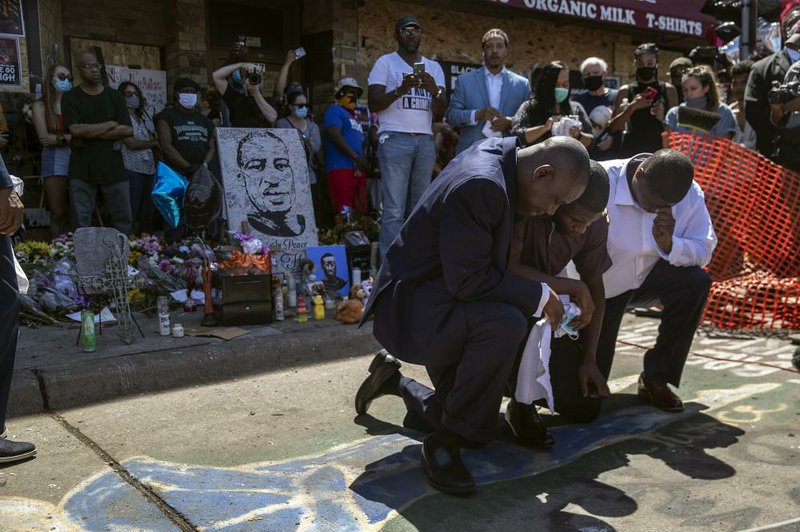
(650, 93)
(300, 52)
(419, 67)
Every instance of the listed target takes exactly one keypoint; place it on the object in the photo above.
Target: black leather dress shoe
(527, 426)
(383, 367)
(14, 451)
(444, 468)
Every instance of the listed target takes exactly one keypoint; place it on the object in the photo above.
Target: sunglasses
(300, 105)
(63, 76)
(407, 32)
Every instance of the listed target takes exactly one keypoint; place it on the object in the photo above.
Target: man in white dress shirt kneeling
(660, 237)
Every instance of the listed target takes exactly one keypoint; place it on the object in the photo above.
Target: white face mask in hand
(187, 100)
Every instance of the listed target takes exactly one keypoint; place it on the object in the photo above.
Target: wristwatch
(438, 92)
(60, 140)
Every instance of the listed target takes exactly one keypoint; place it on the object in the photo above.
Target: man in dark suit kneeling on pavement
(444, 297)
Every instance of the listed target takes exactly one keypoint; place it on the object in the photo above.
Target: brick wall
(51, 34)
(138, 21)
(187, 51)
(455, 36)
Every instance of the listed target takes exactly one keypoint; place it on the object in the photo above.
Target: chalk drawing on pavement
(359, 485)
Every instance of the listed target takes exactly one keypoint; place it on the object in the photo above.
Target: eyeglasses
(300, 105)
(408, 32)
(90, 66)
(63, 76)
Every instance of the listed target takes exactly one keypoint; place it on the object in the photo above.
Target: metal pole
(744, 44)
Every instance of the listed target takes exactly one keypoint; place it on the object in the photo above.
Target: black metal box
(242, 299)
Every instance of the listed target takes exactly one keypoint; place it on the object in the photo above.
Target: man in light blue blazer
(485, 100)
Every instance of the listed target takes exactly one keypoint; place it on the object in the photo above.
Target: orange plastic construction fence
(755, 207)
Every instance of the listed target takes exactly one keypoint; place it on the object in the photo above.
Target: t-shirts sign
(10, 66)
(411, 113)
(11, 18)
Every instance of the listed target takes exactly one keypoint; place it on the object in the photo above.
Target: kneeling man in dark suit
(444, 297)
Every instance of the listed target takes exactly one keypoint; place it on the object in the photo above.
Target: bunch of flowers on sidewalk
(155, 269)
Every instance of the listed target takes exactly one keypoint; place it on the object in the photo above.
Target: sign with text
(11, 18)
(452, 70)
(152, 83)
(671, 16)
(10, 65)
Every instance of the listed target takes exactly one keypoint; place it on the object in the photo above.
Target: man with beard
(445, 297)
(97, 119)
(541, 249)
(485, 100)
(407, 91)
(332, 282)
(268, 180)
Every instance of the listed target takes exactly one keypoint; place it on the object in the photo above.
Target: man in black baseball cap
(407, 20)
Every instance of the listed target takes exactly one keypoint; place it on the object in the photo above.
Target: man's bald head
(550, 174)
(668, 175)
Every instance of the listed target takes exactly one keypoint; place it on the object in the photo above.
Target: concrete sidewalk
(52, 372)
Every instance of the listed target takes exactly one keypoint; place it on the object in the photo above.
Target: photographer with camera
(758, 110)
(247, 108)
(784, 103)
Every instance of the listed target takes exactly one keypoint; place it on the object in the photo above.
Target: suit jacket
(470, 94)
(453, 249)
(757, 111)
(5, 177)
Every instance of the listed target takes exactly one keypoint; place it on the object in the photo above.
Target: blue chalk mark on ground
(356, 485)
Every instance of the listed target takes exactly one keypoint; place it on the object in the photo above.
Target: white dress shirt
(631, 244)
(494, 85)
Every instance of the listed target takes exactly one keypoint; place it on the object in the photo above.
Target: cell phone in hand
(650, 93)
(300, 52)
(419, 67)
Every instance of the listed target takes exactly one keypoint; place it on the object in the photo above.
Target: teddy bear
(351, 310)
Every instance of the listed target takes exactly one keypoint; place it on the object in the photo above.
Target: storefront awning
(681, 17)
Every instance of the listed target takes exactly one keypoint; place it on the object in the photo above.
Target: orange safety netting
(755, 207)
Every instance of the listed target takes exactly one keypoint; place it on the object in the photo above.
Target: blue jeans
(406, 162)
(142, 207)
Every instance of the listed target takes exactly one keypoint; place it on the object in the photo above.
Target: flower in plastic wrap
(253, 246)
(168, 193)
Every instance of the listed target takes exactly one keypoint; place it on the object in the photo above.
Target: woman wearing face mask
(297, 105)
(642, 105)
(55, 146)
(535, 118)
(700, 92)
(137, 157)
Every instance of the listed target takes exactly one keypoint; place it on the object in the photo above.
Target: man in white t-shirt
(406, 97)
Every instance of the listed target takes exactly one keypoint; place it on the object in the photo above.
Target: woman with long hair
(550, 102)
(55, 140)
(138, 159)
(700, 92)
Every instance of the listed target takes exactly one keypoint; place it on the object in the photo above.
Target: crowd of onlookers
(94, 137)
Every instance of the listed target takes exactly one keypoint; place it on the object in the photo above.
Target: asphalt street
(284, 451)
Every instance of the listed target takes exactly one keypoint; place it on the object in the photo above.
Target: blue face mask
(62, 85)
(561, 94)
(300, 112)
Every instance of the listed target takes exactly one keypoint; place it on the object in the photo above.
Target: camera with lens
(254, 78)
(783, 93)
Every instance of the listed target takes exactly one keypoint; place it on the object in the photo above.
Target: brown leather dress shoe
(659, 395)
